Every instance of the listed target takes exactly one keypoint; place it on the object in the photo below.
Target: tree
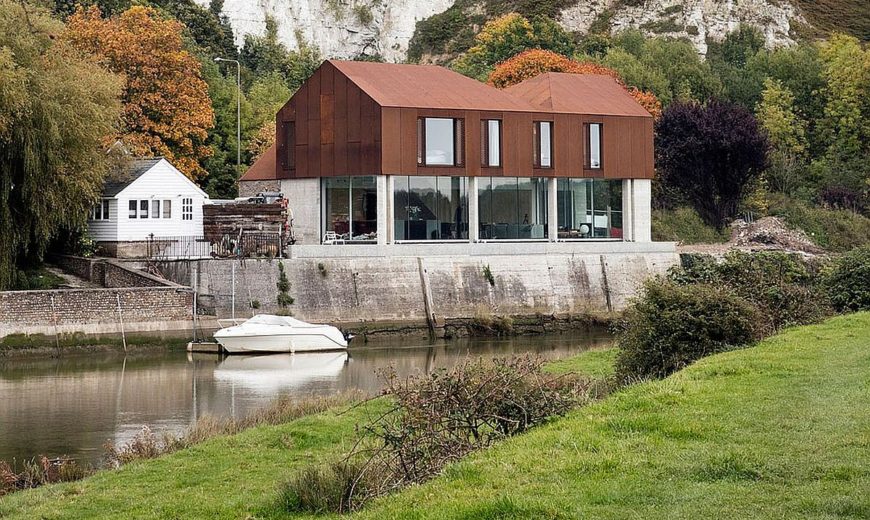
(786, 131)
(507, 36)
(710, 154)
(728, 60)
(265, 55)
(531, 63)
(263, 138)
(847, 72)
(167, 110)
(56, 109)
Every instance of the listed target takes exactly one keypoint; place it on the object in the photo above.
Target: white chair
(332, 238)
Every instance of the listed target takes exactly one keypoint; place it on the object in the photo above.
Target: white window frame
(132, 209)
(187, 208)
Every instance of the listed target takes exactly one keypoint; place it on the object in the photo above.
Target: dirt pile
(771, 233)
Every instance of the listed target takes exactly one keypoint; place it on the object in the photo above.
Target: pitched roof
(578, 94)
(263, 168)
(124, 176)
(426, 86)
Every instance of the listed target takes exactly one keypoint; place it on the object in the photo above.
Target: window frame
(132, 209)
(288, 158)
(538, 156)
(166, 209)
(187, 208)
(458, 139)
(587, 148)
(155, 209)
(485, 143)
(144, 206)
(100, 210)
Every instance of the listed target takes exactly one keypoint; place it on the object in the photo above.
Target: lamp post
(238, 112)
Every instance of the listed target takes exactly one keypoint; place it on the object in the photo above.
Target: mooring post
(233, 277)
(121, 321)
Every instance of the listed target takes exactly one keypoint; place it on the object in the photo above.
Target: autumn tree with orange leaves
(167, 110)
(533, 62)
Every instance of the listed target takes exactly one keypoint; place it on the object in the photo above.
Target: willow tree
(56, 108)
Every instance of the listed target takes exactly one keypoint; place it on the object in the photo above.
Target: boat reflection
(280, 372)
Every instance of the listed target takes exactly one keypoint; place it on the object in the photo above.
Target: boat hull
(312, 341)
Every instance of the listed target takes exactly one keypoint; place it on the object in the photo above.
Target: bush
(340, 487)
(685, 226)
(670, 326)
(835, 230)
(848, 281)
(783, 287)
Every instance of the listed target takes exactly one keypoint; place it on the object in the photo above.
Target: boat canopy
(283, 321)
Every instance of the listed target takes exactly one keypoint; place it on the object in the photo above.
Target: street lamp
(238, 112)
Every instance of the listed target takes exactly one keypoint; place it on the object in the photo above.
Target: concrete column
(627, 211)
(473, 213)
(391, 209)
(552, 209)
(642, 195)
(383, 213)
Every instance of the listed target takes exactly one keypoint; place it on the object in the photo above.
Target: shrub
(848, 281)
(834, 230)
(671, 325)
(783, 287)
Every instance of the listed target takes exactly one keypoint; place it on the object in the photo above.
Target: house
(145, 199)
(377, 153)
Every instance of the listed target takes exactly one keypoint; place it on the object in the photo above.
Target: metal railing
(246, 245)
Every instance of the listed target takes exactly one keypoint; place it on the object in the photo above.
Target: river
(74, 405)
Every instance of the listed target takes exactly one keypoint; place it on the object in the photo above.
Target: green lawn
(781, 430)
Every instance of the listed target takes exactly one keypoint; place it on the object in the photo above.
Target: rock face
(339, 28)
(697, 20)
(349, 28)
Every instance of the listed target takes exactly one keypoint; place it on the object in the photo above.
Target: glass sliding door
(350, 208)
(430, 208)
(512, 208)
(589, 208)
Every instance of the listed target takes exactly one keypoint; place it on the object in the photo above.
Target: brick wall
(95, 310)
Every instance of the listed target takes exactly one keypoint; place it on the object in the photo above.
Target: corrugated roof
(578, 94)
(263, 168)
(129, 172)
(426, 86)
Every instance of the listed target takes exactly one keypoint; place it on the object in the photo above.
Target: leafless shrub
(39, 471)
(435, 420)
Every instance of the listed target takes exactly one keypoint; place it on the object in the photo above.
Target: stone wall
(252, 188)
(95, 311)
(401, 288)
(110, 273)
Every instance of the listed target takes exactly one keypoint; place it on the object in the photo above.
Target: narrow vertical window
(593, 146)
(490, 140)
(186, 209)
(289, 159)
(143, 209)
(155, 209)
(543, 144)
(421, 142)
(132, 212)
(167, 209)
(458, 142)
(106, 209)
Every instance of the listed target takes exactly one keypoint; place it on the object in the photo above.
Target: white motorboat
(269, 333)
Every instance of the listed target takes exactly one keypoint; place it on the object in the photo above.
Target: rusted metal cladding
(340, 130)
(337, 129)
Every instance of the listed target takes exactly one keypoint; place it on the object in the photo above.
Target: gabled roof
(426, 86)
(577, 94)
(129, 172)
(263, 168)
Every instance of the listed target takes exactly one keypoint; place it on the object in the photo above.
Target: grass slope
(781, 430)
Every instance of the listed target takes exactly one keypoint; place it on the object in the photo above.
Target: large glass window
(543, 144)
(490, 142)
(512, 208)
(589, 208)
(350, 207)
(439, 141)
(430, 208)
(593, 146)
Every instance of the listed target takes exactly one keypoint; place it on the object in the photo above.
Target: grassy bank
(778, 430)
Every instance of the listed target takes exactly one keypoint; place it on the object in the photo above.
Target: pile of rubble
(771, 233)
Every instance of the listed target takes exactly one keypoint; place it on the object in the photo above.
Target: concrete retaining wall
(359, 288)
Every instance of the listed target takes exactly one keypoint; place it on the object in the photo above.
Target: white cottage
(148, 199)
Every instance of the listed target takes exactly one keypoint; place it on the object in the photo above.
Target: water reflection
(74, 405)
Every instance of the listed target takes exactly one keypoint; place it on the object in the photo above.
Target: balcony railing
(247, 245)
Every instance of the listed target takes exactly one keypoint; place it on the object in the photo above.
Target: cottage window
(439, 141)
(186, 209)
(100, 210)
(289, 158)
(490, 142)
(593, 146)
(132, 206)
(155, 209)
(543, 144)
(143, 209)
(167, 209)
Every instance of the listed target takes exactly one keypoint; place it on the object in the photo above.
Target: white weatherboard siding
(161, 182)
(105, 230)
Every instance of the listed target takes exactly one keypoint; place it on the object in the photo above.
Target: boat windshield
(269, 319)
